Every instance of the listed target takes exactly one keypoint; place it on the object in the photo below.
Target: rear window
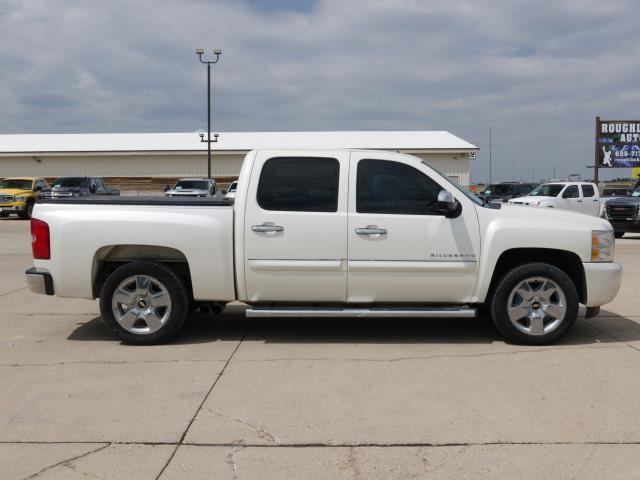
(299, 184)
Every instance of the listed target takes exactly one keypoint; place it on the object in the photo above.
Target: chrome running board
(291, 312)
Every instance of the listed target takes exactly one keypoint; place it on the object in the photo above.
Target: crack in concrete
(329, 359)
(429, 357)
(67, 462)
(14, 291)
(215, 382)
(261, 431)
(352, 461)
(232, 461)
(326, 445)
(108, 362)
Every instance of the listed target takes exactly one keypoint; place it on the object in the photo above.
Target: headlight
(21, 199)
(602, 245)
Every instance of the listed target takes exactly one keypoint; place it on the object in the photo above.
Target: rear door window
(299, 184)
(588, 191)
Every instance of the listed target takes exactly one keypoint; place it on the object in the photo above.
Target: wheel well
(566, 261)
(109, 258)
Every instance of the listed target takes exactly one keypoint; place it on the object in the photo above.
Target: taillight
(40, 240)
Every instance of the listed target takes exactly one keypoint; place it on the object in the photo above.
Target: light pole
(217, 52)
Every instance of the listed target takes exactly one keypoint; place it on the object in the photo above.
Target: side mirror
(448, 204)
(93, 188)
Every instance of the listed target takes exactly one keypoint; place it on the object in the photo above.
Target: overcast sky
(538, 72)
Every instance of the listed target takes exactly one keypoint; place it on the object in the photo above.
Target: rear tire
(143, 303)
(619, 234)
(534, 304)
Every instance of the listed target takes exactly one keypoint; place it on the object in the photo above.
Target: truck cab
(580, 197)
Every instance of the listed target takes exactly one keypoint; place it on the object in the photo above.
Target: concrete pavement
(388, 399)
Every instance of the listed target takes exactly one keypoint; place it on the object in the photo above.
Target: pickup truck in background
(193, 187)
(18, 195)
(624, 213)
(580, 197)
(505, 191)
(66, 187)
(335, 233)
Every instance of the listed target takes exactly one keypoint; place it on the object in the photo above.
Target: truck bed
(145, 200)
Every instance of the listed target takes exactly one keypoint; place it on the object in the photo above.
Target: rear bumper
(603, 282)
(39, 281)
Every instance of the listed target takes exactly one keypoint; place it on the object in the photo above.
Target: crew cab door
(571, 199)
(402, 248)
(590, 200)
(295, 227)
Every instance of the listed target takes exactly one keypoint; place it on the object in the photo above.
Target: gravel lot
(307, 399)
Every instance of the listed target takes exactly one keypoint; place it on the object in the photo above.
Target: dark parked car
(502, 192)
(78, 187)
(624, 213)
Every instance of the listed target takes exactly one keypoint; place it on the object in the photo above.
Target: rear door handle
(267, 228)
(371, 231)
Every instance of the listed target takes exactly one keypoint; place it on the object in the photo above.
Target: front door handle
(371, 231)
(267, 228)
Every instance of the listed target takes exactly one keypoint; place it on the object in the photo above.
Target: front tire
(27, 212)
(534, 304)
(619, 234)
(143, 303)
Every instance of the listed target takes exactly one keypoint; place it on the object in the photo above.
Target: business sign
(618, 143)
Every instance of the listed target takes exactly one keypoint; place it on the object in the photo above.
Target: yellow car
(18, 195)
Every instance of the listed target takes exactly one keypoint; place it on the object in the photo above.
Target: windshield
(547, 190)
(498, 190)
(191, 185)
(71, 182)
(16, 183)
(233, 187)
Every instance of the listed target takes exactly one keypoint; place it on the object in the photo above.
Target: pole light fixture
(216, 52)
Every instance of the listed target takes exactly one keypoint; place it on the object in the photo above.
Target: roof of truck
(231, 141)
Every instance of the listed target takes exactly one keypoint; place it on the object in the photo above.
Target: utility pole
(217, 52)
(490, 177)
(597, 153)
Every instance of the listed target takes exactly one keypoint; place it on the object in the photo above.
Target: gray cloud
(538, 72)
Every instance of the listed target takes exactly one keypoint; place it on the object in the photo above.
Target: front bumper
(626, 226)
(603, 282)
(39, 281)
(15, 207)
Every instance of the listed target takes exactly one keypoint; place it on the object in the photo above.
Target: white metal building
(171, 155)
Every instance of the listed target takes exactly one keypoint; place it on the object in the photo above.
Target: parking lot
(312, 398)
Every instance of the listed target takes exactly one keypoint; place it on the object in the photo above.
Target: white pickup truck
(581, 197)
(344, 233)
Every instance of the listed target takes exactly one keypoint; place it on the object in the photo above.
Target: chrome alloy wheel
(141, 304)
(537, 306)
